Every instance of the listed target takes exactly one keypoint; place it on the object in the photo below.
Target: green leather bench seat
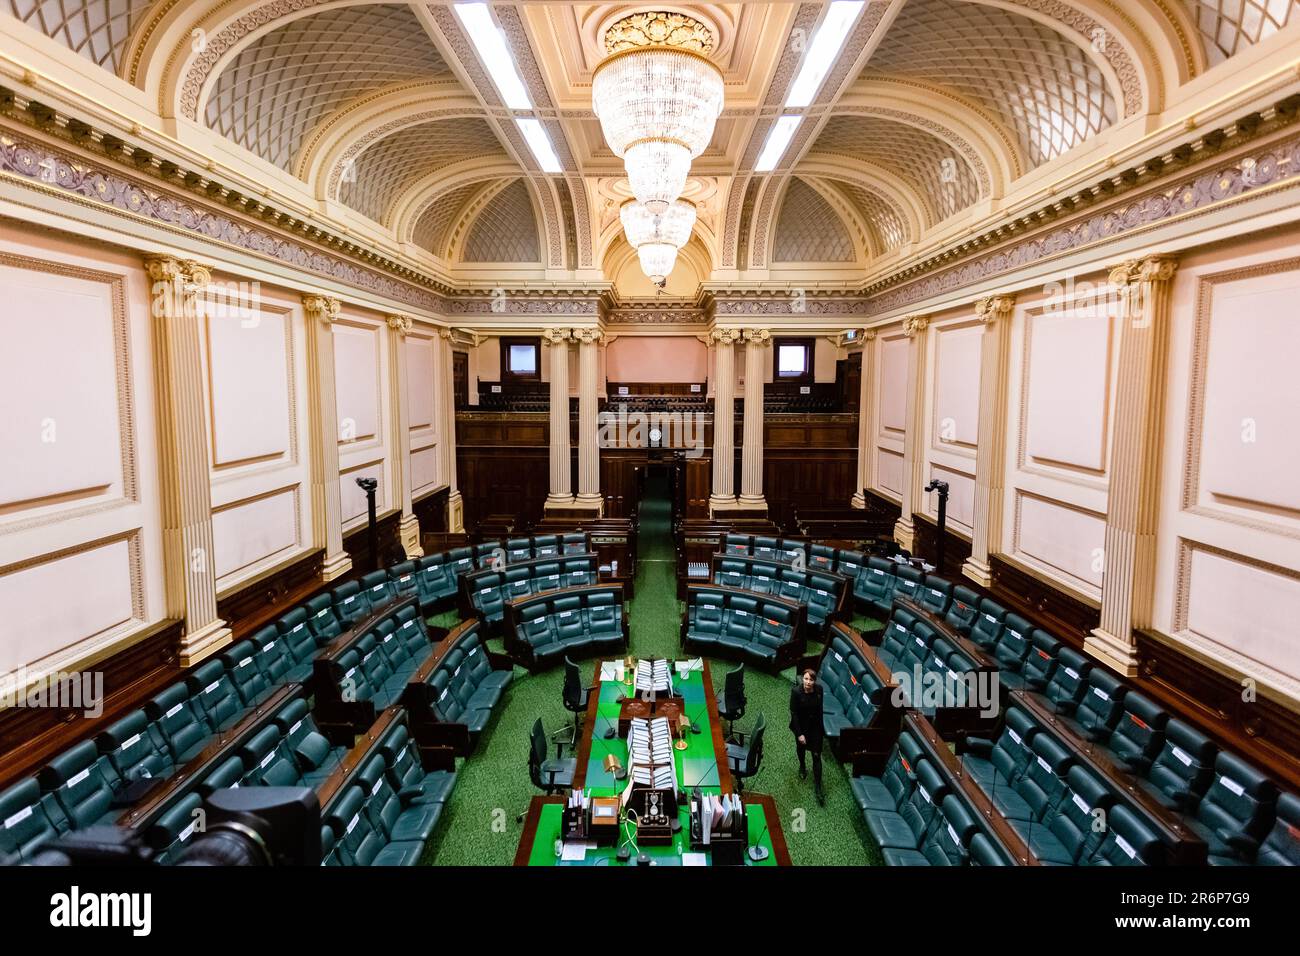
(543, 629)
(851, 692)
(488, 591)
(821, 591)
(892, 787)
(387, 810)
(466, 688)
(379, 664)
(742, 624)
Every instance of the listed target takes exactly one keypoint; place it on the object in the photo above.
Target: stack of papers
(654, 677)
(650, 754)
(718, 813)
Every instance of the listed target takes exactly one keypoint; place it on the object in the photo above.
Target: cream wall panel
(45, 615)
(60, 427)
(248, 386)
(1228, 545)
(1068, 369)
(890, 465)
(956, 370)
(420, 383)
(1244, 609)
(1062, 541)
(250, 535)
(82, 573)
(356, 369)
(893, 385)
(424, 469)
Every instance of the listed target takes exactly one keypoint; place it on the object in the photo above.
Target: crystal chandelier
(657, 97)
(657, 237)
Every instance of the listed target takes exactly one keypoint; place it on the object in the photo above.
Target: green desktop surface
(548, 831)
(697, 765)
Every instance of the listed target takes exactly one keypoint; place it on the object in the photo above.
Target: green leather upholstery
(28, 820)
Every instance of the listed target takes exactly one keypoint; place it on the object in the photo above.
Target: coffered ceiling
(385, 115)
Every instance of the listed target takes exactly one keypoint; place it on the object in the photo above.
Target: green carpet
(479, 827)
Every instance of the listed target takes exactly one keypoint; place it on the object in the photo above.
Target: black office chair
(731, 705)
(549, 775)
(745, 757)
(576, 696)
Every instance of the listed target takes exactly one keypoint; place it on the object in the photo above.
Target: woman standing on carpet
(806, 724)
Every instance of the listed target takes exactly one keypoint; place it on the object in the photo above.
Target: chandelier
(656, 237)
(657, 97)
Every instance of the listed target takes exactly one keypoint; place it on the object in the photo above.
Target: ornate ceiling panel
(943, 177)
(97, 30)
(1041, 83)
(277, 89)
(808, 229)
(886, 221)
(390, 165)
(506, 229)
(1229, 26)
(433, 229)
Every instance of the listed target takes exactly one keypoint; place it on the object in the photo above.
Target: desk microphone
(695, 724)
(612, 730)
(758, 853)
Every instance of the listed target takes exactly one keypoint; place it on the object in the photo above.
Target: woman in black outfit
(806, 723)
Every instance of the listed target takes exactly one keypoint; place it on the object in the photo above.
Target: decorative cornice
(794, 302)
(994, 307)
(322, 308)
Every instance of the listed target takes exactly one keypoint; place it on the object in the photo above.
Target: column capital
(190, 276)
(757, 336)
(868, 335)
(556, 336)
(915, 325)
(724, 336)
(401, 324)
(994, 308)
(587, 336)
(447, 334)
(1147, 269)
(323, 308)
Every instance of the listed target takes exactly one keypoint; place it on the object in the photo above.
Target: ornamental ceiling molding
(90, 183)
(525, 302)
(652, 312)
(1194, 193)
(796, 302)
(659, 28)
(943, 133)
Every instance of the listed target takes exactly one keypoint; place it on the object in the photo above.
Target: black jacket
(806, 713)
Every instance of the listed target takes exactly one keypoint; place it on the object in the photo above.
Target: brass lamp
(614, 767)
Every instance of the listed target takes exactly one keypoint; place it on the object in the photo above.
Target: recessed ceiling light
(777, 140)
(494, 53)
(823, 51)
(535, 135)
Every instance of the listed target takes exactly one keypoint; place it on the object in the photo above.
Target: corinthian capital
(322, 308)
(994, 307)
(915, 324)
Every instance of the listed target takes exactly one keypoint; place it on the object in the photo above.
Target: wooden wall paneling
(357, 543)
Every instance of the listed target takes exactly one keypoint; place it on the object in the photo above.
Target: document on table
(574, 852)
(694, 859)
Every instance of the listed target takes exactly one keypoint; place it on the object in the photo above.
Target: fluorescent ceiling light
(535, 133)
(494, 53)
(777, 140)
(823, 51)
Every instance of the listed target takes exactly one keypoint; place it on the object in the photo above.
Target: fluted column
(326, 505)
(588, 409)
(866, 414)
(990, 451)
(724, 418)
(447, 436)
(408, 525)
(561, 492)
(1128, 577)
(190, 575)
(751, 460)
(913, 442)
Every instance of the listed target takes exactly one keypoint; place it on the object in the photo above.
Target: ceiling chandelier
(657, 237)
(657, 96)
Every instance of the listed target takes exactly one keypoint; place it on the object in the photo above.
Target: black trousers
(815, 747)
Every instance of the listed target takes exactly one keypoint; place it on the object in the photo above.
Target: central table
(702, 764)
